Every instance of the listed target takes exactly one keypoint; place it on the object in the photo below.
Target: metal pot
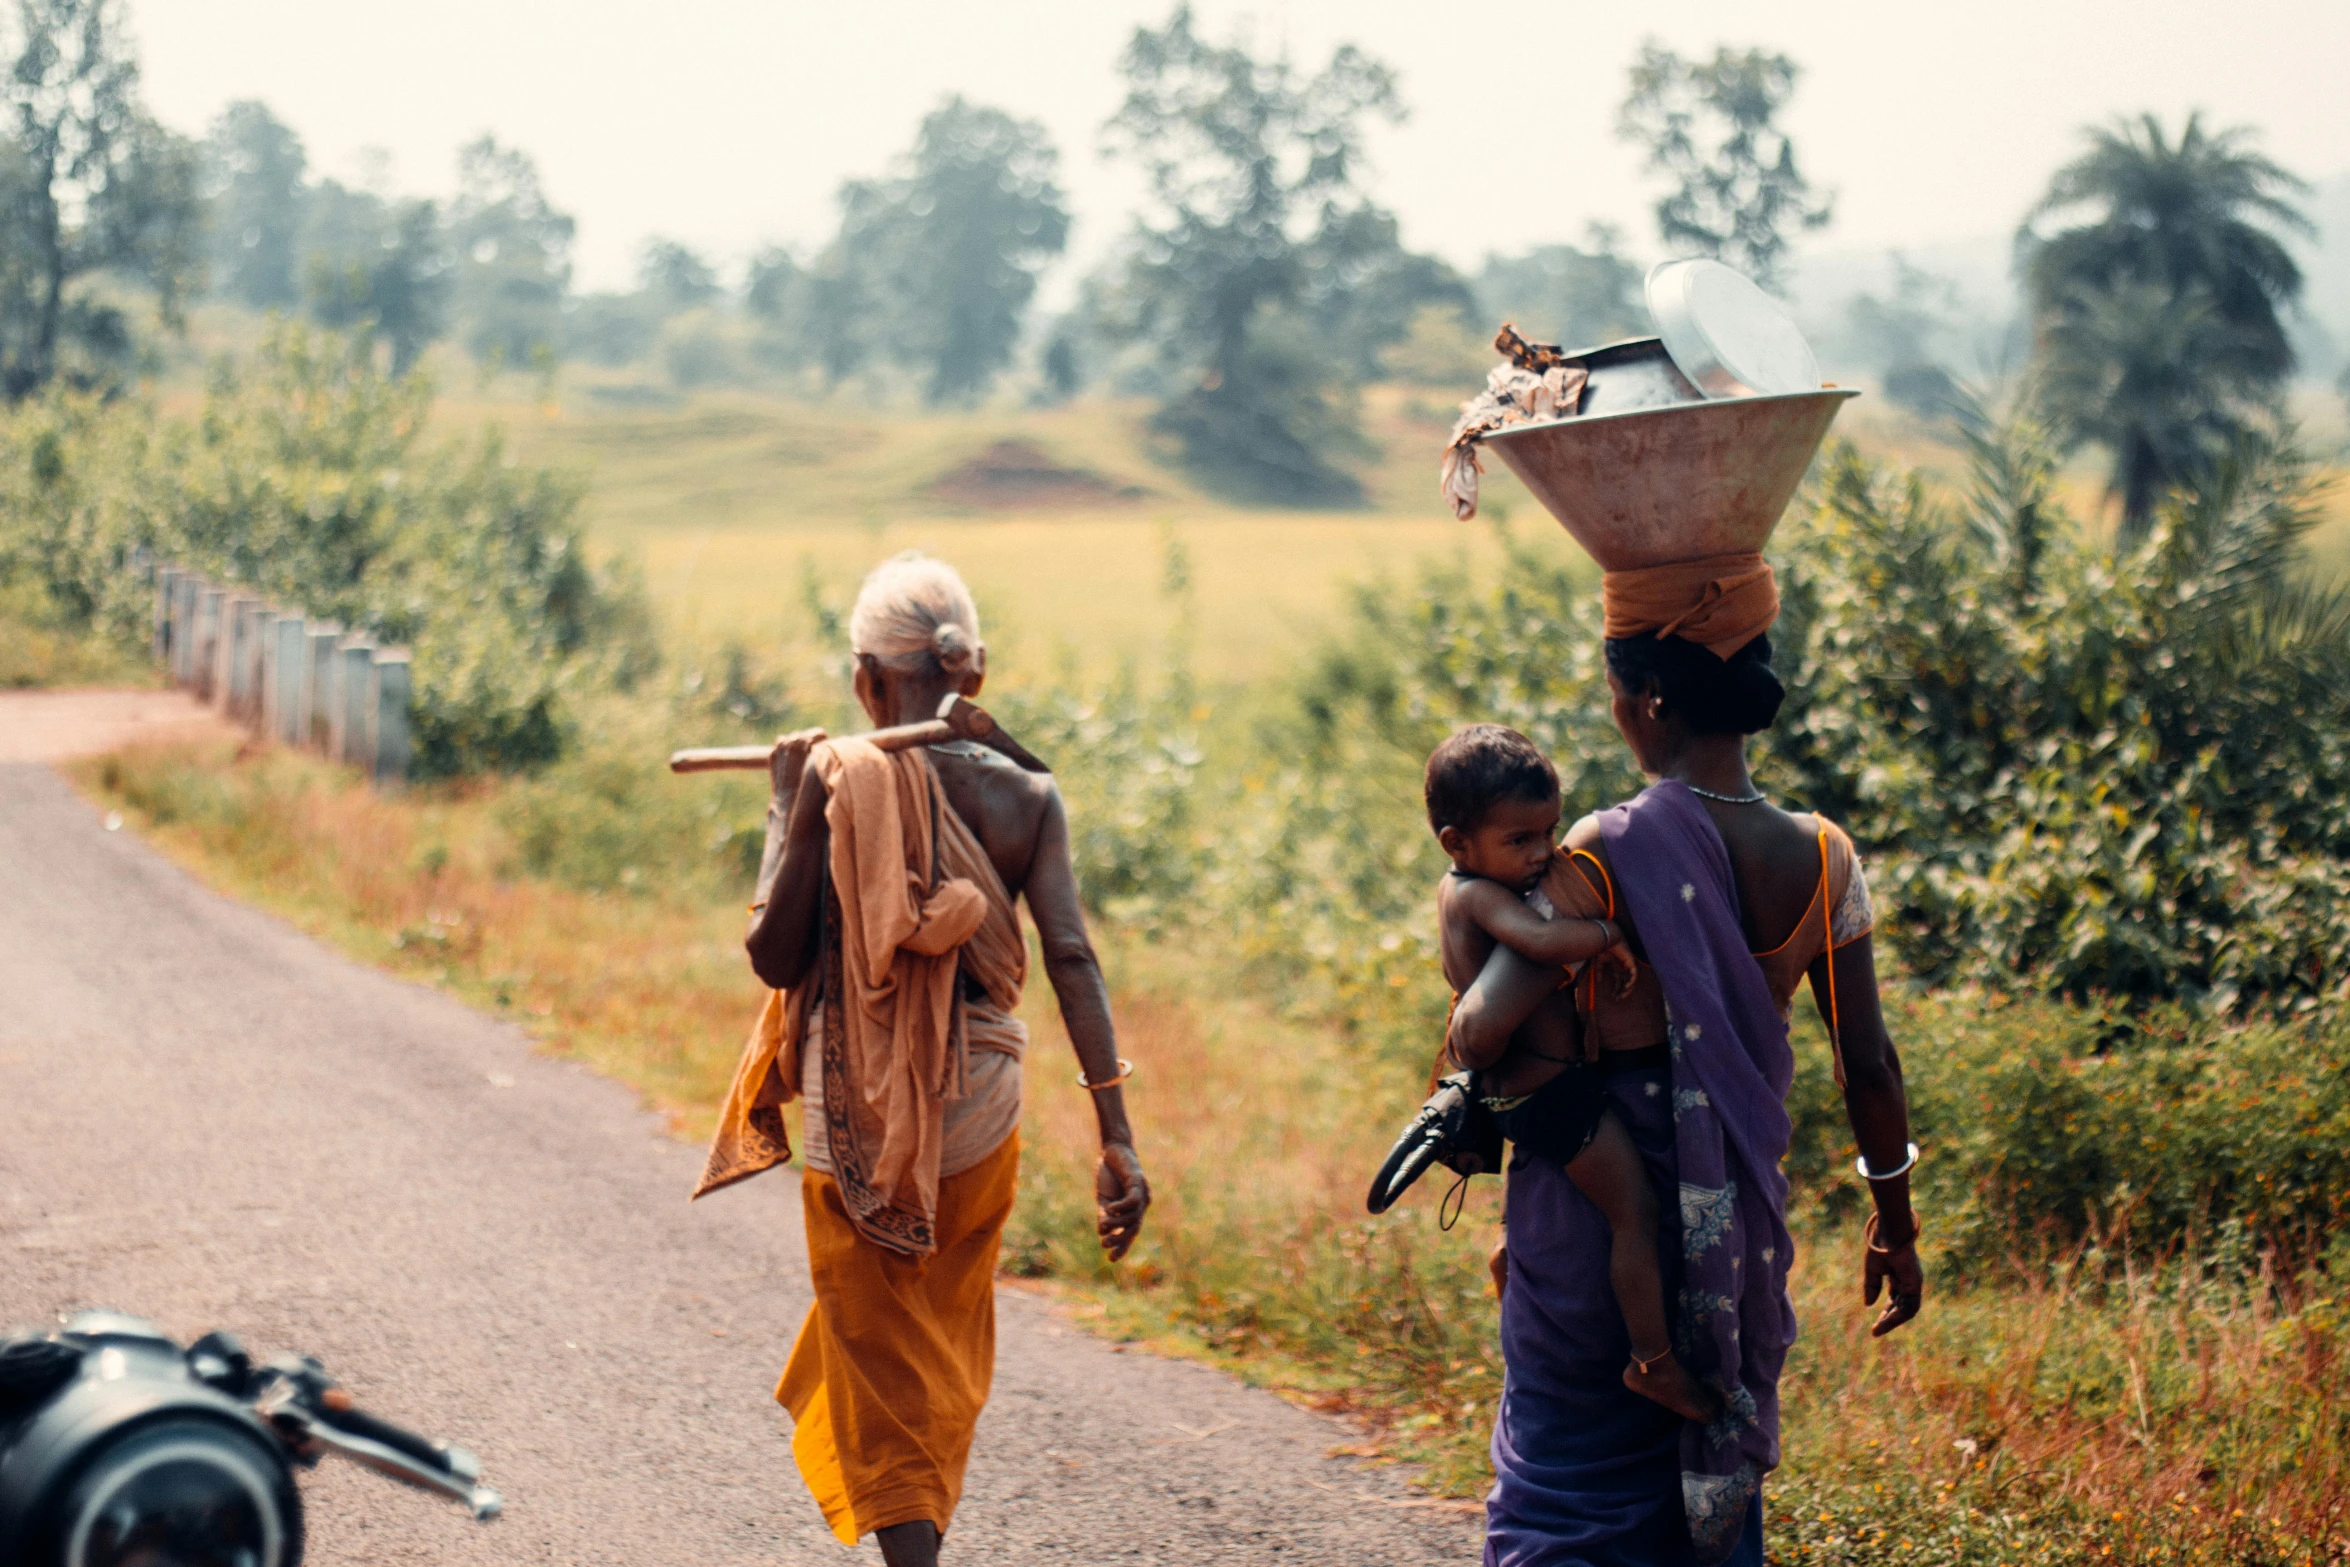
(1635, 373)
(1671, 482)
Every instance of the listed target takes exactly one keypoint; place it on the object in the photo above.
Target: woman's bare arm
(787, 910)
(1878, 1106)
(1076, 976)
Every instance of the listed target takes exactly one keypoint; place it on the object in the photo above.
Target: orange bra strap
(1607, 889)
(1828, 945)
(1607, 886)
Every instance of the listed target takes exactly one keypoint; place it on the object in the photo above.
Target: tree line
(1258, 288)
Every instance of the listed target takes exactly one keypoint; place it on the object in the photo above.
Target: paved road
(208, 1119)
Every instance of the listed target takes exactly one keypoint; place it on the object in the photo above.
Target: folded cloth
(1720, 603)
(893, 1364)
(975, 1124)
(914, 914)
(1512, 395)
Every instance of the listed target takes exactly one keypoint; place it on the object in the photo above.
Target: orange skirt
(893, 1364)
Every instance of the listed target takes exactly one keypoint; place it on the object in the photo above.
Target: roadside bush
(2105, 774)
(2056, 1127)
(308, 479)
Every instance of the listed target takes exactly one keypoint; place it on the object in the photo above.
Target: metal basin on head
(1679, 482)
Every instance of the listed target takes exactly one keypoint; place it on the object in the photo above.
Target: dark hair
(1739, 695)
(1478, 768)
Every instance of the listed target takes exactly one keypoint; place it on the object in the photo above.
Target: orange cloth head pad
(1720, 603)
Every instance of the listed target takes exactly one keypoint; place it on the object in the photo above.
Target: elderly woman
(1730, 902)
(885, 924)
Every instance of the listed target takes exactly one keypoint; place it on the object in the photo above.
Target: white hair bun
(954, 648)
(913, 611)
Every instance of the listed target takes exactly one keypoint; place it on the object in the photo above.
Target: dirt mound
(1017, 474)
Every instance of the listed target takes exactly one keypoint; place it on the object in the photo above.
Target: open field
(1070, 530)
(729, 502)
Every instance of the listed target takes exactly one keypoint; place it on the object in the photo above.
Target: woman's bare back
(1005, 806)
(1774, 860)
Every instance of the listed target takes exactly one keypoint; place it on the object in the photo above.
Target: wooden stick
(959, 718)
(753, 758)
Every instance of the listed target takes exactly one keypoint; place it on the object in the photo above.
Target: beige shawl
(913, 903)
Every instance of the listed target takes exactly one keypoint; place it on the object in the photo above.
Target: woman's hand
(1123, 1194)
(1894, 1266)
(786, 763)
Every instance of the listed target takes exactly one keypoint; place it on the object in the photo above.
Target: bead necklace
(1755, 798)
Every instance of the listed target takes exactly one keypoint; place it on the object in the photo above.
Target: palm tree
(2157, 317)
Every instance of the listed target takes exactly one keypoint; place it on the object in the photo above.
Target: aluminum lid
(1728, 336)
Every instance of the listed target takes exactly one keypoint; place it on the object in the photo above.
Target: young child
(1493, 800)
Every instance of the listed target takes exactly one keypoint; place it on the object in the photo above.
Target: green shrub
(307, 479)
(2119, 774)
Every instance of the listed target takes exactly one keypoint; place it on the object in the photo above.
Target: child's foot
(1668, 1382)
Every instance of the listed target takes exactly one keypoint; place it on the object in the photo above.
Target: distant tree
(676, 276)
(1711, 127)
(1899, 333)
(92, 184)
(1579, 296)
(512, 252)
(1252, 170)
(1363, 290)
(2158, 318)
(775, 297)
(949, 247)
(254, 169)
(378, 269)
(610, 328)
(771, 283)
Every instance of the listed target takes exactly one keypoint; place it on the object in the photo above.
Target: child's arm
(1559, 943)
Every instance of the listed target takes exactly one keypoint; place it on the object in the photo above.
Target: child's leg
(1609, 1172)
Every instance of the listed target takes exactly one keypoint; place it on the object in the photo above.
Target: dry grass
(2056, 1415)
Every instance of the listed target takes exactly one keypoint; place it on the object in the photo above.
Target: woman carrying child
(1728, 903)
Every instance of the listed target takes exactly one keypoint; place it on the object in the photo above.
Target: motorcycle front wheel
(182, 1491)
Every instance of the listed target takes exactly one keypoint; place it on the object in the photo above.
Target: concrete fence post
(183, 632)
(392, 747)
(207, 664)
(166, 600)
(353, 739)
(289, 702)
(264, 661)
(322, 636)
(236, 634)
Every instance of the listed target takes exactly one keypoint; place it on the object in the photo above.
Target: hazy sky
(729, 123)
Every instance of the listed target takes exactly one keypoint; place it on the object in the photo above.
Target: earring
(1656, 708)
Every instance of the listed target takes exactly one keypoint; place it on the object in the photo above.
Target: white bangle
(1862, 1165)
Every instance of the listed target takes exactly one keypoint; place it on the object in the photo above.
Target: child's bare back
(1494, 801)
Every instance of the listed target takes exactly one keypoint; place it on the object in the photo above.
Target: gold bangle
(1125, 1071)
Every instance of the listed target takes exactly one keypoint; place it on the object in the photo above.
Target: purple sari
(1588, 1473)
